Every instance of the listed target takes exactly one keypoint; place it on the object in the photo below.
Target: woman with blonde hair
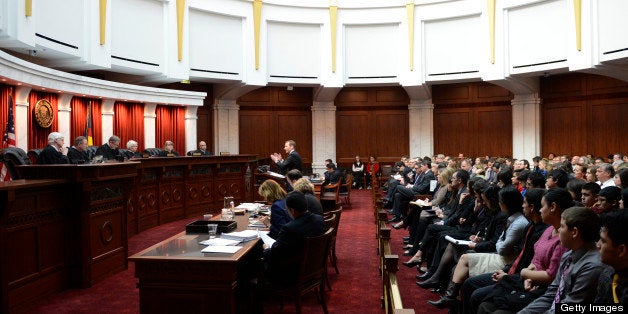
(306, 187)
(276, 196)
(168, 150)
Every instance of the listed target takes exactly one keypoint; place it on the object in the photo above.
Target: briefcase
(200, 226)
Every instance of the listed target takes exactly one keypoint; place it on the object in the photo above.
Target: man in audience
(281, 260)
(605, 173)
(55, 152)
(334, 175)
(535, 181)
(78, 153)
(202, 150)
(613, 246)
(109, 150)
(405, 194)
(608, 199)
(466, 165)
(579, 269)
(556, 178)
(291, 177)
(590, 191)
(292, 161)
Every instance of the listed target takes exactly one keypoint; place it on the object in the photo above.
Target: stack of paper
(221, 249)
(244, 235)
(421, 203)
(456, 241)
(219, 242)
(266, 238)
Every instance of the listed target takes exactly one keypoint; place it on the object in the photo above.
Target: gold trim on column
(410, 14)
(257, 17)
(28, 8)
(491, 27)
(333, 18)
(103, 21)
(180, 19)
(577, 6)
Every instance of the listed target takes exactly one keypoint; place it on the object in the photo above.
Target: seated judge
(132, 150)
(78, 153)
(55, 152)
(201, 151)
(109, 150)
(281, 260)
(168, 150)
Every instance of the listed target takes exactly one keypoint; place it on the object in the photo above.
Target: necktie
(513, 267)
(561, 285)
(615, 283)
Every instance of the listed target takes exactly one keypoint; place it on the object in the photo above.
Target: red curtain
(78, 119)
(38, 136)
(170, 126)
(128, 123)
(4, 107)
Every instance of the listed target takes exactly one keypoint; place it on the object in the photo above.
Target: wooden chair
(330, 194)
(347, 194)
(333, 260)
(311, 273)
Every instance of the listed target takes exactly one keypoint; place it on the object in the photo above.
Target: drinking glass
(212, 229)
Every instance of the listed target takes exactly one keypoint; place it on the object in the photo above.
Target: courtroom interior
(126, 121)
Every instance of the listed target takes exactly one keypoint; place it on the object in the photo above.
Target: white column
(323, 134)
(64, 115)
(107, 119)
(150, 117)
(421, 125)
(226, 126)
(526, 126)
(20, 97)
(190, 128)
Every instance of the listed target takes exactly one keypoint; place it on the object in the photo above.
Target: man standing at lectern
(292, 161)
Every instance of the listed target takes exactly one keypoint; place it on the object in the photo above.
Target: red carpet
(357, 289)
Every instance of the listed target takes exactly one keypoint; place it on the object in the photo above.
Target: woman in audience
(574, 186)
(306, 187)
(591, 176)
(372, 169)
(579, 171)
(275, 195)
(621, 178)
(358, 172)
(510, 202)
(547, 252)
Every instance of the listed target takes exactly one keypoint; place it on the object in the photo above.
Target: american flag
(89, 133)
(8, 140)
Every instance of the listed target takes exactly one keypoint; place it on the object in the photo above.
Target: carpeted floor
(357, 289)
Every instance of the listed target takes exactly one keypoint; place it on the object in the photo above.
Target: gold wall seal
(43, 113)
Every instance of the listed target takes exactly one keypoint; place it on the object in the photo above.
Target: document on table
(220, 242)
(221, 249)
(266, 238)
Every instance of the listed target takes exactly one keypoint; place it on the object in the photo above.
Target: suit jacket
(313, 204)
(293, 161)
(460, 210)
(107, 153)
(51, 156)
(164, 153)
(78, 157)
(332, 177)
(278, 217)
(422, 184)
(580, 284)
(282, 259)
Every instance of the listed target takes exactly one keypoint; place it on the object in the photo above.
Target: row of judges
(57, 153)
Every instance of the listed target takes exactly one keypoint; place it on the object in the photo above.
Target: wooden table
(175, 277)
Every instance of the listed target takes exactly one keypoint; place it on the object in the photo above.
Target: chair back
(151, 152)
(330, 220)
(91, 151)
(33, 155)
(314, 260)
(386, 170)
(13, 156)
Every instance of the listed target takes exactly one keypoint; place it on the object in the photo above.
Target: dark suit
(278, 217)
(129, 154)
(282, 259)
(165, 153)
(404, 195)
(107, 153)
(78, 157)
(293, 161)
(313, 204)
(51, 156)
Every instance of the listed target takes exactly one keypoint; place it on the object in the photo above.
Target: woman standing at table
(275, 195)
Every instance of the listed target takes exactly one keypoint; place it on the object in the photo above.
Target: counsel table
(175, 277)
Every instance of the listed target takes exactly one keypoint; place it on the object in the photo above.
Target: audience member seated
(168, 150)
(574, 186)
(55, 152)
(556, 178)
(132, 150)
(281, 259)
(608, 199)
(276, 196)
(613, 247)
(109, 150)
(306, 187)
(358, 173)
(291, 177)
(372, 170)
(579, 272)
(334, 175)
(605, 173)
(621, 178)
(78, 153)
(590, 192)
(201, 151)
(404, 194)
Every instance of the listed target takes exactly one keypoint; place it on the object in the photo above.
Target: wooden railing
(388, 266)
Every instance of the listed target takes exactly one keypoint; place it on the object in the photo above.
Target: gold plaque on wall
(43, 113)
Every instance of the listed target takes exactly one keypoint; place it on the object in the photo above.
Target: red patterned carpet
(357, 289)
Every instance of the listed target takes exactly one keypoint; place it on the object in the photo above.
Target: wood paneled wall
(371, 121)
(584, 114)
(271, 115)
(472, 118)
